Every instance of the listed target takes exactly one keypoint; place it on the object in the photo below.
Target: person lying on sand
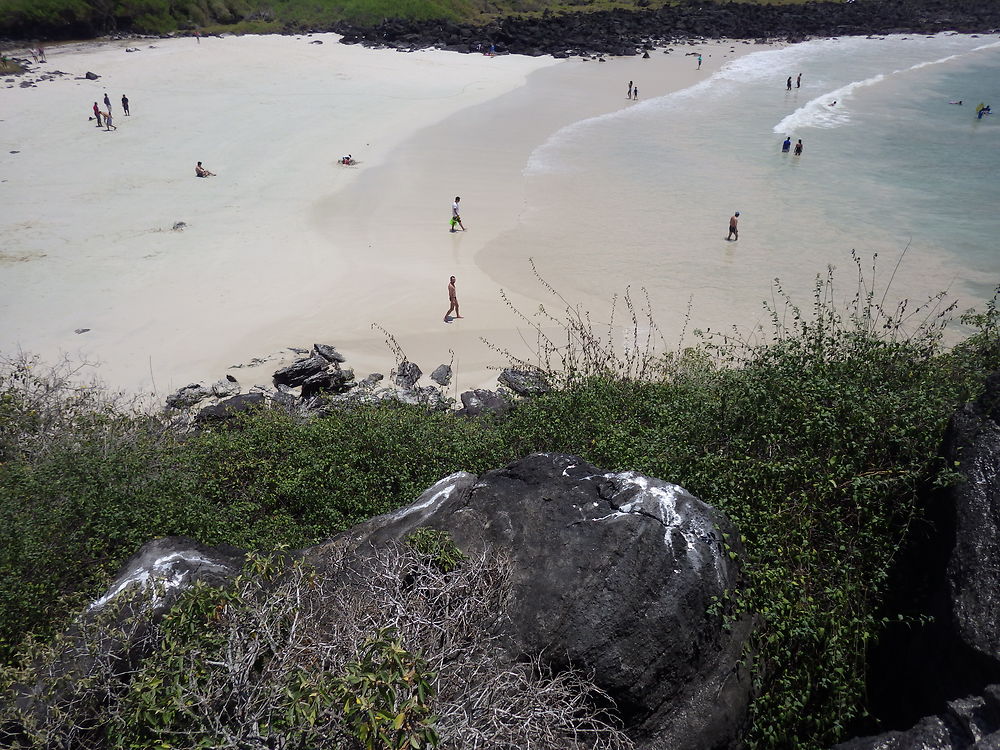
(200, 171)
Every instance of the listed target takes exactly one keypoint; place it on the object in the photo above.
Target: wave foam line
(817, 113)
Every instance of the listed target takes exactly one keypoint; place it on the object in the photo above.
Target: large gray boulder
(612, 573)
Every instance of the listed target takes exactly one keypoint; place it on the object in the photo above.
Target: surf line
(818, 113)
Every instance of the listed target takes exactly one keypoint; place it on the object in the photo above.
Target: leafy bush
(388, 657)
(816, 437)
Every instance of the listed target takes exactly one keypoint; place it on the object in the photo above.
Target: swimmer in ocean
(958, 102)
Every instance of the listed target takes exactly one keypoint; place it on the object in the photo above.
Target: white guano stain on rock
(162, 572)
(439, 492)
(658, 500)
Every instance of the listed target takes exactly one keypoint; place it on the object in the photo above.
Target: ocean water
(642, 197)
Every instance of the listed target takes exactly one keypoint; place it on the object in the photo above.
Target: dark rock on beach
(231, 407)
(329, 353)
(480, 401)
(91, 76)
(297, 373)
(524, 382)
(442, 375)
(187, 396)
(407, 375)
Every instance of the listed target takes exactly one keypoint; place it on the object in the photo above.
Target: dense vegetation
(816, 438)
(21, 19)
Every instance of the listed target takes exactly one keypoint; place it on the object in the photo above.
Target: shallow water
(643, 196)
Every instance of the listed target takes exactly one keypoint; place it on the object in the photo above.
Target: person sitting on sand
(200, 171)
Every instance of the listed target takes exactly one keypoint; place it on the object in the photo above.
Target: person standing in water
(734, 232)
(798, 148)
(629, 90)
(452, 301)
(635, 93)
(798, 81)
(787, 145)
(699, 61)
(788, 84)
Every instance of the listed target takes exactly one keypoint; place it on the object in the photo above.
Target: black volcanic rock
(612, 573)
(298, 372)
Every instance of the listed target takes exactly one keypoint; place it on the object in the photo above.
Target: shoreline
(270, 260)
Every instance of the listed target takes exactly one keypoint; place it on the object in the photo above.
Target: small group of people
(38, 54)
(105, 115)
(798, 82)
(983, 109)
(787, 145)
(633, 91)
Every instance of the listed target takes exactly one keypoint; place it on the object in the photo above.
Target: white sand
(285, 247)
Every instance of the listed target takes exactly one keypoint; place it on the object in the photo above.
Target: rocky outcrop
(301, 370)
(479, 401)
(144, 590)
(442, 374)
(187, 396)
(630, 32)
(612, 573)
(231, 407)
(949, 668)
(524, 382)
(316, 382)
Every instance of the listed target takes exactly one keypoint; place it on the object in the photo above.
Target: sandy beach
(285, 246)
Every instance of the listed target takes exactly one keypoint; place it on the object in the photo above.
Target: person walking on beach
(787, 145)
(452, 301)
(41, 53)
(798, 149)
(734, 232)
(97, 114)
(629, 89)
(788, 84)
(699, 61)
(107, 101)
(109, 125)
(456, 217)
(125, 105)
(798, 81)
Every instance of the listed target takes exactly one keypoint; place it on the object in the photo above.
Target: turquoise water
(643, 196)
